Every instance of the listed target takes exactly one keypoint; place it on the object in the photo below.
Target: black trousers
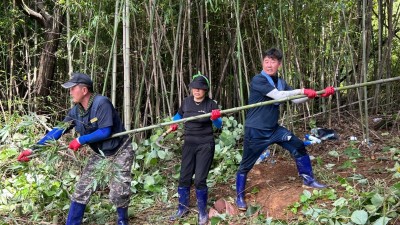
(196, 160)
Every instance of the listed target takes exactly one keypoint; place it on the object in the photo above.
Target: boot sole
(242, 209)
(174, 218)
(310, 187)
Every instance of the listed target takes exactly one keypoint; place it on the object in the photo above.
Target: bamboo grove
(142, 54)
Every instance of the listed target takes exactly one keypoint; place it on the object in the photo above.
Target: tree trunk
(52, 29)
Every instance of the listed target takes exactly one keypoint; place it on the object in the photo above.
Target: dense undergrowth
(38, 191)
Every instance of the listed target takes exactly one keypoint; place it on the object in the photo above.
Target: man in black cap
(198, 148)
(96, 120)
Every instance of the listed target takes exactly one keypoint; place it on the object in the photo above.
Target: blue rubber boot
(305, 171)
(183, 207)
(202, 196)
(75, 214)
(240, 188)
(122, 216)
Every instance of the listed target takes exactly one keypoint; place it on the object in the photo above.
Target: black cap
(200, 82)
(78, 78)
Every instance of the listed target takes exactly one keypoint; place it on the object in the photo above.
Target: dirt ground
(274, 184)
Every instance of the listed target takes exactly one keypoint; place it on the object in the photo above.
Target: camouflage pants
(120, 182)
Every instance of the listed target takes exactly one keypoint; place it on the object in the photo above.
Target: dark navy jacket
(101, 113)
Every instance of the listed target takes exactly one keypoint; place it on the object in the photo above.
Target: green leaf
(72, 173)
(151, 158)
(147, 201)
(333, 153)
(377, 200)
(217, 148)
(176, 175)
(352, 153)
(161, 154)
(149, 181)
(251, 210)
(255, 190)
(238, 157)
(49, 193)
(347, 164)
(215, 220)
(397, 186)
(330, 166)
(307, 193)
(153, 138)
(235, 123)
(340, 202)
(134, 146)
(65, 207)
(305, 196)
(382, 221)
(234, 134)
(359, 217)
(227, 139)
(94, 185)
(370, 208)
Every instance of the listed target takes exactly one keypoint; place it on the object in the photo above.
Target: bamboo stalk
(239, 45)
(94, 56)
(151, 12)
(175, 56)
(69, 47)
(236, 109)
(364, 71)
(127, 65)
(113, 54)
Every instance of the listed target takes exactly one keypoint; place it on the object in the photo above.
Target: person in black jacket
(198, 147)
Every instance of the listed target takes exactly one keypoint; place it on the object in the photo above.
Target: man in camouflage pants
(121, 177)
(96, 120)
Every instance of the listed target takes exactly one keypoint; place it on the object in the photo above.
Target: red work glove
(310, 93)
(74, 144)
(328, 91)
(174, 127)
(215, 114)
(23, 157)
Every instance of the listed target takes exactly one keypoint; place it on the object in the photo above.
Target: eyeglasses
(201, 75)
